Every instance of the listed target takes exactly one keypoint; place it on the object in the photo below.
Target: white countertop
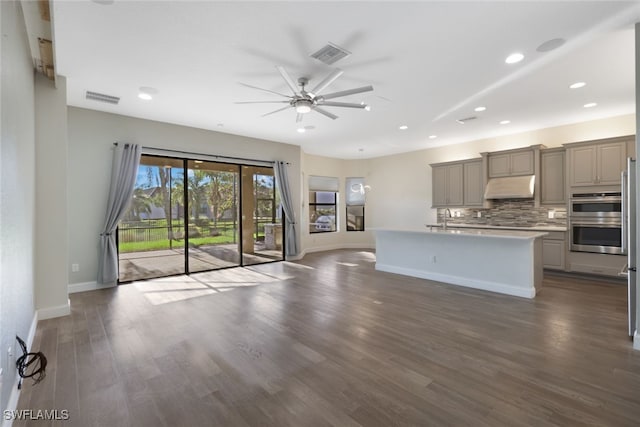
(506, 227)
(504, 234)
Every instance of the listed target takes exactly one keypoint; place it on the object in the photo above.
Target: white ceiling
(430, 63)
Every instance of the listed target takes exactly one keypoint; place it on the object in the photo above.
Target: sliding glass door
(262, 227)
(213, 215)
(190, 215)
(151, 235)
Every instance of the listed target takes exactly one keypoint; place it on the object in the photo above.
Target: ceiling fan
(306, 101)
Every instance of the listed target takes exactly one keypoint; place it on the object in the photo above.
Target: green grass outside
(155, 245)
(226, 237)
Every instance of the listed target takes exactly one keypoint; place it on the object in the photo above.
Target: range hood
(510, 187)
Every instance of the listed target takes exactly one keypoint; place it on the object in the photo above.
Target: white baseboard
(12, 404)
(332, 248)
(51, 312)
(460, 281)
(88, 286)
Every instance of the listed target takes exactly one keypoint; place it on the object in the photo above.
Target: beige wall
(400, 193)
(341, 169)
(401, 184)
(17, 192)
(91, 138)
(51, 275)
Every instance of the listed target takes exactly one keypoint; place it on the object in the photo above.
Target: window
(355, 197)
(322, 211)
(323, 202)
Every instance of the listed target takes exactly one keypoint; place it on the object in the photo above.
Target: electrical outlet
(75, 268)
(551, 214)
(479, 214)
(458, 214)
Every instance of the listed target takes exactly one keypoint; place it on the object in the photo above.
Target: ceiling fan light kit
(304, 101)
(303, 106)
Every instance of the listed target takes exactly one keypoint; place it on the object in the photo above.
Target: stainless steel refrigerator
(629, 239)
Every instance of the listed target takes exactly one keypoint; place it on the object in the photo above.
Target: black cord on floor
(30, 365)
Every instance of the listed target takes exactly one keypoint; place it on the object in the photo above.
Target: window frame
(355, 200)
(316, 204)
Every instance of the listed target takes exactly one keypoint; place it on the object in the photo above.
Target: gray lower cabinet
(600, 264)
(553, 250)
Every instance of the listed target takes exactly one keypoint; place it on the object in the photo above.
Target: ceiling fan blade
(278, 110)
(299, 117)
(287, 78)
(347, 92)
(266, 90)
(325, 113)
(262, 102)
(327, 81)
(343, 104)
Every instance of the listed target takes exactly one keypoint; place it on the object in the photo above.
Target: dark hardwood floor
(330, 341)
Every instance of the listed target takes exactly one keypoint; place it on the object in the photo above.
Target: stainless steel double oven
(595, 222)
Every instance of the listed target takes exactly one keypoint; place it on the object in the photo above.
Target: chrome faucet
(446, 211)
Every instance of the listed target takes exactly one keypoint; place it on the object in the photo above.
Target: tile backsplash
(508, 212)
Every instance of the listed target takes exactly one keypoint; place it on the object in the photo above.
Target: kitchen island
(504, 261)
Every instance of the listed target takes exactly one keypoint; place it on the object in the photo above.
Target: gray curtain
(291, 234)
(126, 158)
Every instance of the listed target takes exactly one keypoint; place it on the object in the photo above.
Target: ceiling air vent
(101, 97)
(466, 119)
(330, 54)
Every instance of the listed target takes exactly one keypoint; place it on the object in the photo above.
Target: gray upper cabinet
(596, 164)
(447, 180)
(611, 160)
(458, 184)
(473, 183)
(511, 163)
(552, 177)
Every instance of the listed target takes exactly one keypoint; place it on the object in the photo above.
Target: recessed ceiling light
(433, 136)
(550, 45)
(301, 130)
(514, 57)
(146, 92)
(481, 108)
(590, 104)
(403, 127)
(577, 85)
(505, 122)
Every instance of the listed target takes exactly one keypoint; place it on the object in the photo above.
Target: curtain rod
(215, 156)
